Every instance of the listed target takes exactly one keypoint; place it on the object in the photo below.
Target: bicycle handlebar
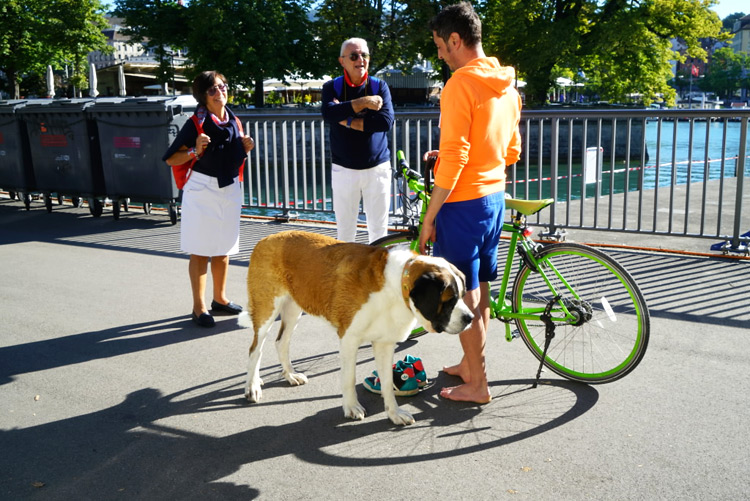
(405, 169)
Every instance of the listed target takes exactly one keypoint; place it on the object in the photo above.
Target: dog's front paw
(295, 378)
(355, 411)
(253, 391)
(400, 417)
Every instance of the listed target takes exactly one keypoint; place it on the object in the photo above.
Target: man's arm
(428, 232)
(332, 110)
(374, 103)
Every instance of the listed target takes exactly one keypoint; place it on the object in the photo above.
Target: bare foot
(465, 393)
(460, 370)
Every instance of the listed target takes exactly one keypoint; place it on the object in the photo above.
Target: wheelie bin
(65, 152)
(16, 173)
(134, 134)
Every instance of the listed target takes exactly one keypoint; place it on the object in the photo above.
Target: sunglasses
(216, 88)
(354, 56)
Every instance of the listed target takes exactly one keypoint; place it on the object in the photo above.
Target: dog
(366, 293)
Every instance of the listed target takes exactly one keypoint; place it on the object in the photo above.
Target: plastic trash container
(65, 151)
(16, 173)
(134, 133)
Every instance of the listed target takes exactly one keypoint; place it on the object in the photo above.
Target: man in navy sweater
(359, 112)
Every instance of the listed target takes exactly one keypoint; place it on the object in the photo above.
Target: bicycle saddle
(527, 207)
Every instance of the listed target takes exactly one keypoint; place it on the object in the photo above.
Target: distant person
(479, 136)
(212, 197)
(359, 111)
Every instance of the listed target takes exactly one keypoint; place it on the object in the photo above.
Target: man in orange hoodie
(479, 136)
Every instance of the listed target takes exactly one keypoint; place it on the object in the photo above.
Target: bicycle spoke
(607, 331)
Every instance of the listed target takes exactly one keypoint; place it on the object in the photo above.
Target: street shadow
(84, 347)
(701, 290)
(144, 234)
(141, 448)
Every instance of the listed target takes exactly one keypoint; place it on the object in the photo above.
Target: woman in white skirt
(212, 197)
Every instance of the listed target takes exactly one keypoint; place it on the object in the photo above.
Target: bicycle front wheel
(406, 240)
(600, 315)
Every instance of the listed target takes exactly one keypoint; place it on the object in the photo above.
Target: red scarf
(349, 82)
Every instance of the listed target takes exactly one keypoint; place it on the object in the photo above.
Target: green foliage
(160, 26)
(37, 33)
(724, 75)
(246, 41)
(20, 46)
(623, 47)
(727, 24)
(396, 32)
(252, 40)
(274, 98)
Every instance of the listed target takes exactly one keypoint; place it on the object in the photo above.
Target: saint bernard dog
(366, 293)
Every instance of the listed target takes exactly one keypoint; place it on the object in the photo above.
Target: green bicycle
(579, 311)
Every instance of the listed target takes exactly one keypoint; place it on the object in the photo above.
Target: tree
(396, 32)
(160, 25)
(247, 41)
(37, 33)
(724, 73)
(74, 29)
(252, 40)
(727, 24)
(21, 49)
(622, 46)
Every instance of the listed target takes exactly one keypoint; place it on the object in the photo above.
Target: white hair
(359, 41)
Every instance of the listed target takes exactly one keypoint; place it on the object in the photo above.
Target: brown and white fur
(366, 293)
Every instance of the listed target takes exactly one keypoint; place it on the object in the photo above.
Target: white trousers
(373, 187)
(210, 217)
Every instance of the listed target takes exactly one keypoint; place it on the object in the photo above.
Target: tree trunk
(258, 98)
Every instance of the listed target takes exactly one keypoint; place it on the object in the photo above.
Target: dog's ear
(461, 277)
(426, 295)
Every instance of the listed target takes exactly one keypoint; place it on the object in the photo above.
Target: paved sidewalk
(108, 391)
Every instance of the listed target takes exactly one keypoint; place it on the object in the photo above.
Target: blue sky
(727, 7)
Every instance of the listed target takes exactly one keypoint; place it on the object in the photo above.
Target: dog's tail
(244, 320)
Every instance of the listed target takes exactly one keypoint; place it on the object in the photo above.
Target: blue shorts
(468, 234)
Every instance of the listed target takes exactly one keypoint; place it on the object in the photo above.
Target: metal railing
(663, 172)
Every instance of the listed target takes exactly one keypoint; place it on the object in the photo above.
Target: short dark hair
(203, 82)
(459, 18)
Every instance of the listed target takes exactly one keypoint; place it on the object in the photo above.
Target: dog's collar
(405, 290)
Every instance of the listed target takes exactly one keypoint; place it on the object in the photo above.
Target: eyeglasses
(354, 56)
(216, 88)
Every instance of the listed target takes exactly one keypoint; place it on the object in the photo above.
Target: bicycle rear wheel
(405, 239)
(607, 335)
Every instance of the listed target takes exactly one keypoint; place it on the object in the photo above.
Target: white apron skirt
(210, 216)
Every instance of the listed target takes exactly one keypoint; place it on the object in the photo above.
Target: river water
(671, 160)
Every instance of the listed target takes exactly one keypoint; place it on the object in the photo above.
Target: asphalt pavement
(109, 391)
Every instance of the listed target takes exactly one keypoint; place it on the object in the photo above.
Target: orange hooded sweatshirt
(479, 136)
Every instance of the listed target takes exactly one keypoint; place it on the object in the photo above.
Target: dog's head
(436, 290)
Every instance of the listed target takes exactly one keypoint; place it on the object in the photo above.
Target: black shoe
(229, 308)
(204, 320)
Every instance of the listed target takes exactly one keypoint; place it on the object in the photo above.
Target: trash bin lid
(57, 105)
(10, 105)
(175, 104)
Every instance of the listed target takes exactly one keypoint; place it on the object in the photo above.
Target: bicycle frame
(500, 307)
(520, 242)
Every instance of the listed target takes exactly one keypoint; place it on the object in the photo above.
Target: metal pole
(740, 182)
